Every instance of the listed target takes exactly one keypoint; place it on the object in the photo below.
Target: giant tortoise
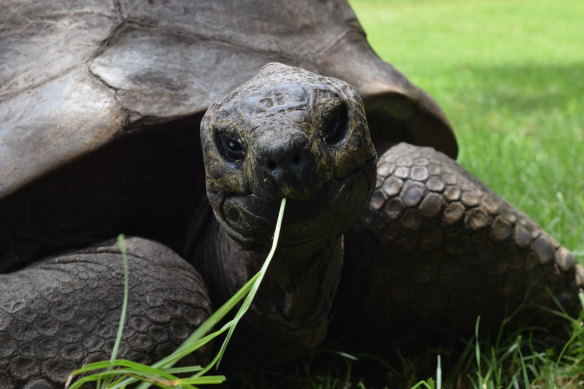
(101, 105)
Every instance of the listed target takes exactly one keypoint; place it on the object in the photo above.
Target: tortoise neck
(291, 309)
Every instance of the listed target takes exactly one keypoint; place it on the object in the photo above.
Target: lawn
(510, 76)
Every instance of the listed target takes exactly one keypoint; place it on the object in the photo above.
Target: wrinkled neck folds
(291, 310)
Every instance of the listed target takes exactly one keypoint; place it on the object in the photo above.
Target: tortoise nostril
(272, 165)
(296, 159)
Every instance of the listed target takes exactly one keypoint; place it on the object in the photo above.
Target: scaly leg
(436, 248)
(64, 311)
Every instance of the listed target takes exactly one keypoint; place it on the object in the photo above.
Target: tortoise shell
(100, 104)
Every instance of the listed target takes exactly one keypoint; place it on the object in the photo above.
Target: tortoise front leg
(63, 312)
(436, 248)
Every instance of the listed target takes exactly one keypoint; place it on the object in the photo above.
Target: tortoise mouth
(250, 219)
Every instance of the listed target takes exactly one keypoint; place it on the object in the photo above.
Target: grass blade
(254, 289)
(122, 244)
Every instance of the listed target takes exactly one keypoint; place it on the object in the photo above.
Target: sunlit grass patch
(510, 76)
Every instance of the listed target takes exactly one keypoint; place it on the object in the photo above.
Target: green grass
(510, 76)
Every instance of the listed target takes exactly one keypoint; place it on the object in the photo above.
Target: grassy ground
(510, 76)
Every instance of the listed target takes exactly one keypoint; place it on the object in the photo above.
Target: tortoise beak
(285, 166)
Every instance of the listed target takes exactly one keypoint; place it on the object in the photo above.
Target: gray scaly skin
(68, 313)
(421, 239)
(437, 247)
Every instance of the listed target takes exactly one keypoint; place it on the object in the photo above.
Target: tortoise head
(287, 133)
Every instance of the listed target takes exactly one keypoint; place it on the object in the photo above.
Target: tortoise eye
(335, 124)
(230, 147)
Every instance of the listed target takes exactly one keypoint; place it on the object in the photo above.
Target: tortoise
(101, 105)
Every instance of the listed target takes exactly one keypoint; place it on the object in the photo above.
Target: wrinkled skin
(409, 238)
(307, 141)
